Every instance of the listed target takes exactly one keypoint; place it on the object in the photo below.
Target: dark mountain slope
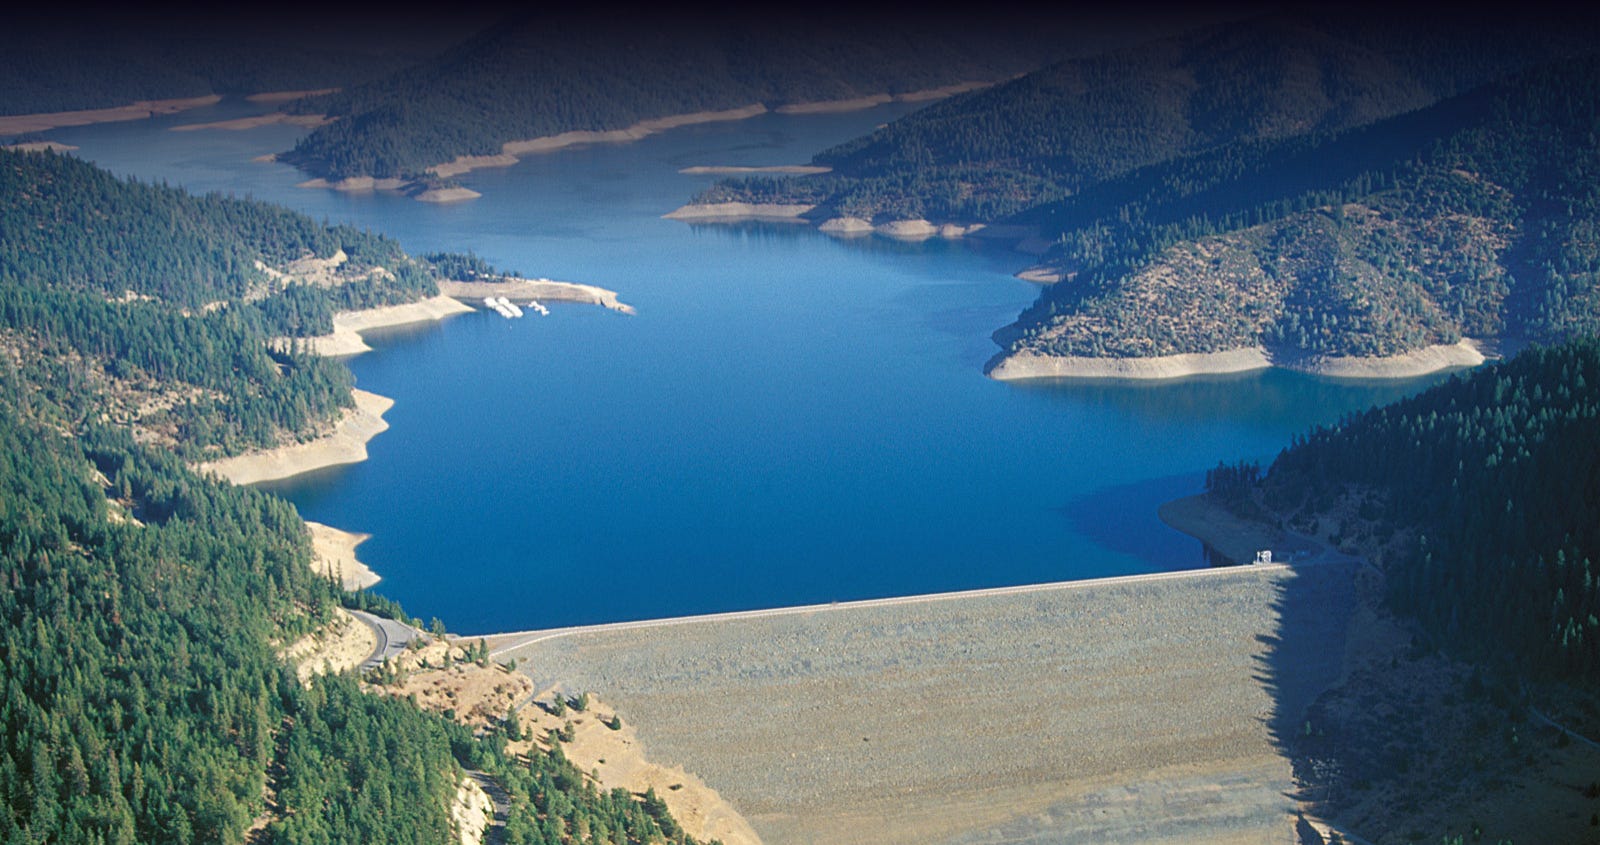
(1057, 131)
(1473, 217)
(553, 72)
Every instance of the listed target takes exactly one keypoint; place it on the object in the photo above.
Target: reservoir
(789, 418)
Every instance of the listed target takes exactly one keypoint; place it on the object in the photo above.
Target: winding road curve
(393, 637)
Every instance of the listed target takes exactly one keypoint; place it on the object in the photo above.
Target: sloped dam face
(1119, 711)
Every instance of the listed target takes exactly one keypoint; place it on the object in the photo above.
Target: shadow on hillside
(1303, 658)
(1415, 744)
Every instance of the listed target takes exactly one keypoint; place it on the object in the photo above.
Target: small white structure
(503, 307)
(1263, 556)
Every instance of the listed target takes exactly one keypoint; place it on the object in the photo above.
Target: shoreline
(1420, 362)
(1020, 366)
(345, 339)
(513, 151)
(1234, 537)
(733, 212)
(22, 124)
(513, 287)
(41, 146)
(874, 100)
(739, 169)
(1025, 365)
(920, 229)
(346, 444)
(240, 124)
(445, 195)
(355, 184)
(454, 298)
(1041, 274)
(271, 97)
(333, 554)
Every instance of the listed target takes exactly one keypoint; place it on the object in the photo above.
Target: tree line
(153, 285)
(552, 72)
(142, 695)
(1489, 481)
(1470, 217)
(1063, 129)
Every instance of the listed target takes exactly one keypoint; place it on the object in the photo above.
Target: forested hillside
(554, 71)
(1473, 217)
(1483, 492)
(108, 57)
(144, 700)
(164, 302)
(1048, 135)
(142, 693)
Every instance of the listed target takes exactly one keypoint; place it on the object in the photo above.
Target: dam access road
(1137, 709)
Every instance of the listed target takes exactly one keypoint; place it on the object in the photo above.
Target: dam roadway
(1120, 710)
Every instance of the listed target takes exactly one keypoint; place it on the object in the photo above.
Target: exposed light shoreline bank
(333, 555)
(513, 287)
(346, 444)
(22, 124)
(41, 146)
(1431, 359)
(1028, 365)
(274, 97)
(345, 339)
(739, 170)
(240, 124)
(513, 151)
(454, 298)
(1025, 365)
(728, 212)
(736, 212)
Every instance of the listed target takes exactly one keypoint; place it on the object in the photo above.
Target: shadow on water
(307, 488)
(1123, 518)
(1303, 654)
(1271, 394)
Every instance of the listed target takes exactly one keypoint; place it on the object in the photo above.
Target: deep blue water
(788, 419)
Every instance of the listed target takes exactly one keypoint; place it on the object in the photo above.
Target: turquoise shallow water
(788, 419)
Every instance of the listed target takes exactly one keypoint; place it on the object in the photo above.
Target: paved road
(495, 832)
(393, 637)
(1537, 714)
(508, 642)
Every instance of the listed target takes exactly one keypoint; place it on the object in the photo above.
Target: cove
(788, 419)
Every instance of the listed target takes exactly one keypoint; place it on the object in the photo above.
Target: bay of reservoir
(789, 418)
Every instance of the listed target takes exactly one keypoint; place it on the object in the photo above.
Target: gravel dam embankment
(1120, 710)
